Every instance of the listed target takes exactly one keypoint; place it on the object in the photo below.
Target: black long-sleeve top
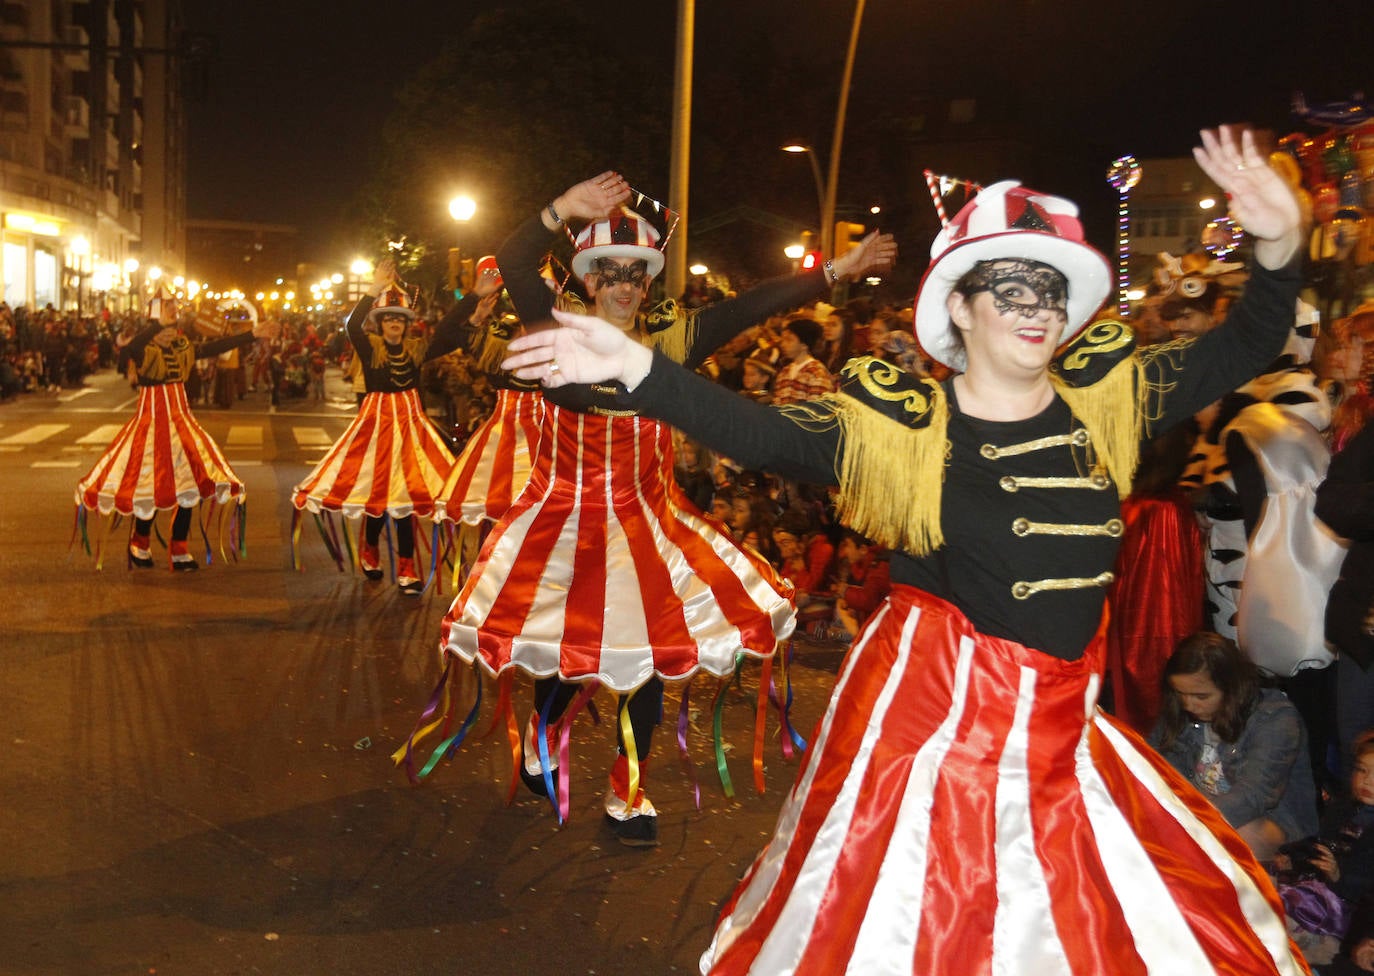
(706, 329)
(172, 364)
(1001, 529)
(391, 368)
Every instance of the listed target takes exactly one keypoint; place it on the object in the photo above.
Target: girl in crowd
(1243, 747)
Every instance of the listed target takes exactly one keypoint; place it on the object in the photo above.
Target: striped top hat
(393, 301)
(1007, 220)
(163, 304)
(623, 234)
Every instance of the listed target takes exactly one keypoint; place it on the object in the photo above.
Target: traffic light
(811, 260)
(847, 235)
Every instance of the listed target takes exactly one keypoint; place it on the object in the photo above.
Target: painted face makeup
(1021, 287)
(611, 274)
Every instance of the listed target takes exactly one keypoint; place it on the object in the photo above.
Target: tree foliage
(523, 104)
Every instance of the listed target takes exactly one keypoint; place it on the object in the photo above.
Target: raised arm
(522, 253)
(1253, 334)
(719, 323)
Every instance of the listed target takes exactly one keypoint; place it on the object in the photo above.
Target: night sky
(298, 92)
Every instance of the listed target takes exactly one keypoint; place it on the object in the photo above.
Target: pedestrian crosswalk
(250, 442)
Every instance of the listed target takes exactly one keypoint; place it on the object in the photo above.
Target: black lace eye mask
(612, 274)
(1023, 287)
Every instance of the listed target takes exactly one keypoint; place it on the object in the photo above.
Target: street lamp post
(828, 208)
(461, 209)
(825, 229)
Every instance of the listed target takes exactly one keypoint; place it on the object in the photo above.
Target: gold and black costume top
(173, 363)
(1017, 523)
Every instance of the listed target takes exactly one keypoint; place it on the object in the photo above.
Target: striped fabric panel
(161, 459)
(963, 810)
(601, 568)
(390, 460)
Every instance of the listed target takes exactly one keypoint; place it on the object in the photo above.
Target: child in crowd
(1244, 747)
(1322, 877)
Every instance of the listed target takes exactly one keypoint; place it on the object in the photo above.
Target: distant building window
(16, 261)
(44, 278)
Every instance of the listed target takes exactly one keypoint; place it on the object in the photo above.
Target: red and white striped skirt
(603, 569)
(390, 461)
(496, 461)
(161, 459)
(965, 809)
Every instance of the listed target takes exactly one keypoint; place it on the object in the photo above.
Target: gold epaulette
(671, 331)
(1103, 381)
(893, 450)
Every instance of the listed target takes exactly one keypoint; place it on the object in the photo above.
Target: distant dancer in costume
(162, 459)
(964, 806)
(495, 462)
(602, 570)
(391, 462)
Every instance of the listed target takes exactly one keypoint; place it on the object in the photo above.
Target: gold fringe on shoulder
(1110, 410)
(677, 338)
(493, 350)
(891, 475)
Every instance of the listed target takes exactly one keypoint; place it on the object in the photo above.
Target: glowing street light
(361, 266)
(698, 269)
(462, 208)
(794, 251)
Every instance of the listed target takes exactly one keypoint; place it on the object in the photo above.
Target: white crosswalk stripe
(312, 437)
(241, 435)
(33, 435)
(101, 435)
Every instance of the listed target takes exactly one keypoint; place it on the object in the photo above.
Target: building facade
(92, 151)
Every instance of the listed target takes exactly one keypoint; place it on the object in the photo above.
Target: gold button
(1020, 527)
(988, 451)
(1008, 484)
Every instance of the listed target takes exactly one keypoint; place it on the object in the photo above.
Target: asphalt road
(198, 777)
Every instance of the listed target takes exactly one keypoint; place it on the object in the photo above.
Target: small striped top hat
(623, 234)
(393, 301)
(1008, 220)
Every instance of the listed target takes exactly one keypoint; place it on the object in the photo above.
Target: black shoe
(534, 782)
(187, 565)
(639, 831)
(142, 562)
(410, 587)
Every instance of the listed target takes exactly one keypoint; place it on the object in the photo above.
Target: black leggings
(645, 707)
(405, 533)
(181, 525)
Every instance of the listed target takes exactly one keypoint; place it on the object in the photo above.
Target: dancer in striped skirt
(391, 462)
(162, 459)
(602, 570)
(965, 808)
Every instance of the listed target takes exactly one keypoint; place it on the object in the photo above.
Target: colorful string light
(1123, 175)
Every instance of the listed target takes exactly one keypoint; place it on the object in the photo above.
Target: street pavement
(198, 777)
